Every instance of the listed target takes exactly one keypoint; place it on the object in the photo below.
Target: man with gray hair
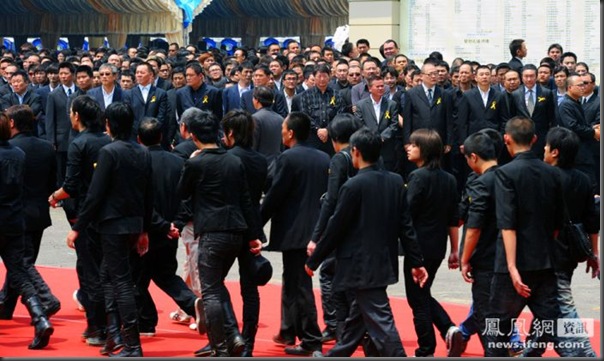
(107, 93)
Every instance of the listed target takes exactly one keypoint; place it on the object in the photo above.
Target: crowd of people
(354, 160)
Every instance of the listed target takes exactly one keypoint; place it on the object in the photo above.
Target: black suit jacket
(592, 110)
(58, 124)
(43, 93)
(544, 113)
(157, 106)
(166, 170)
(267, 133)
(515, 64)
(387, 127)
(120, 197)
(433, 199)
(39, 179)
(210, 100)
(31, 98)
(97, 94)
(293, 200)
(366, 242)
(528, 200)
(473, 115)
(279, 104)
(418, 113)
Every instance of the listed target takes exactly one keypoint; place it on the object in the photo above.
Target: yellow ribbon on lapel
(540, 99)
(152, 99)
(333, 100)
(438, 100)
(205, 99)
(493, 105)
(387, 115)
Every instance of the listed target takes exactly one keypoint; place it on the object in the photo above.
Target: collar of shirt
(21, 97)
(144, 88)
(426, 89)
(105, 94)
(484, 95)
(67, 88)
(242, 90)
(378, 103)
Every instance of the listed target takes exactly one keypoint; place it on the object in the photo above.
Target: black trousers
(11, 252)
(370, 313)
(116, 276)
(9, 294)
(159, 265)
(298, 309)
(249, 289)
(328, 301)
(426, 310)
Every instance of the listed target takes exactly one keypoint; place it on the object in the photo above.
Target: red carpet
(174, 340)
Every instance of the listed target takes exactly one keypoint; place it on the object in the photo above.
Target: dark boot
(43, 328)
(132, 343)
(8, 299)
(235, 342)
(114, 338)
(96, 332)
(205, 351)
(340, 329)
(216, 334)
(249, 337)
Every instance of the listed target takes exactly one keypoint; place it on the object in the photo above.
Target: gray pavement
(448, 286)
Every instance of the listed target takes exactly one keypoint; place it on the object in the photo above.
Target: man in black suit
(518, 51)
(292, 203)
(572, 116)
(533, 101)
(591, 108)
(82, 156)
(368, 262)
(231, 96)
(524, 259)
(222, 220)
(380, 114)
(160, 264)
(52, 71)
(58, 125)
(120, 203)
(23, 95)
(147, 100)
(267, 129)
(428, 106)
(261, 77)
(39, 181)
(198, 94)
(108, 92)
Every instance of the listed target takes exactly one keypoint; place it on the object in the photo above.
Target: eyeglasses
(354, 74)
(104, 74)
(580, 85)
(588, 82)
(434, 73)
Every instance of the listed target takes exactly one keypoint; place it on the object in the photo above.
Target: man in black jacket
(223, 218)
(120, 204)
(39, 181)
(367, 262)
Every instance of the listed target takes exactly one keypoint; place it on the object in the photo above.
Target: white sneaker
(75, 299)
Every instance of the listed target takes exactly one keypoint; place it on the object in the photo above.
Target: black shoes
(299, 350)
(328, 335)
(282, 341)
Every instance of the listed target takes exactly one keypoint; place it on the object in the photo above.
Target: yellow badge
(493, 105)
(152, 99)
(94, 165)
(438, 101)
(387, 115)
(333, 100)
(540, 99)
(205, 99)
(470, 199)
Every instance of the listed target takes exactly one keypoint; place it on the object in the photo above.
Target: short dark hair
(242, 124)
(322, 68)
(188, 115)
(373, 78)
(4, 127)
(149, 131)
(526, 67)
(515, 45)
(23, 117)
(84, 69)
(521, 129)
(430, 146)
(481, 144)
(567, 54)
(556, 46)
(120, 118)
(342, 126)
(561, 68)
(502, 66)
(89, 111)
(299, 123)
(264, 95)
(368, 143)
(68, 65)
(567, 143)
(363, 41)
(22, 73)
(204, 127)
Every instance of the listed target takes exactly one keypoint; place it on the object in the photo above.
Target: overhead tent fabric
(114, 19)
(312, 20)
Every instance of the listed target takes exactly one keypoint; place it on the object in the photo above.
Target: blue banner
(188, 6)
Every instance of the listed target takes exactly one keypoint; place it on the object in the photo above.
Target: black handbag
(575, 237)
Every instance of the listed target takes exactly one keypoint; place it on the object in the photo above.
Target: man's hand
(597, 132)
(173, 233)
(594, 265)
(255, 246)
(142, 244)
(453, 260)
(322, 134)
(309, 271)
(71, 238)
(447, 149)
(522, 289)
(52, 200)
(310, 248)
(420, 276)
(466, 272)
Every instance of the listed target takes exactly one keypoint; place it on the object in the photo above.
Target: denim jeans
(217, 253)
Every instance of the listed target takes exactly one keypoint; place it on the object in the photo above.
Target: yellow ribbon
(387, 115)
(333, 100)
(153, 99)
(438, 101)
(493, 105)
(205, 99)
(540, 99)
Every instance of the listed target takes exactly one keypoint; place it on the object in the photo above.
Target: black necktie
(68, 91)
(430, 96)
